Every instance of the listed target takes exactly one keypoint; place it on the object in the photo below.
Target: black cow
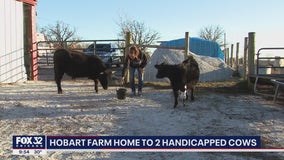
(183, 76)
(78, 64)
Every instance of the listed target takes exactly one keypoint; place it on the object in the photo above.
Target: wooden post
(128, 40)
(186, 45)
(251, 53)
(245, 57)
(225, 55)
(232, 51)
(228, 56)
(251, 57)
(95, 47)
(225, 51)
(237, 56)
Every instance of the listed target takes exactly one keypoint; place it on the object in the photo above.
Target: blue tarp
(198, 46)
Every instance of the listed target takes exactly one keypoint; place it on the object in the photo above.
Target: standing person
(135, 60)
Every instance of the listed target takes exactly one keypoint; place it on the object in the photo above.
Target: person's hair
(135, 50)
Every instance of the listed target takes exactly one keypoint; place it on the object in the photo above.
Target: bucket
(121, 93)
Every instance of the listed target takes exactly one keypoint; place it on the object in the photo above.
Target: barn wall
(11, 42)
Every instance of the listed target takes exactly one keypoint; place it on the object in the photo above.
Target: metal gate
(46, 49)
(268, 68)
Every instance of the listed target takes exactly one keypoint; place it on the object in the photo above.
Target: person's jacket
(139, 62)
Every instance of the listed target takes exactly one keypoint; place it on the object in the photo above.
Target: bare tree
(60, 33)
(213, 33)
(141, 35)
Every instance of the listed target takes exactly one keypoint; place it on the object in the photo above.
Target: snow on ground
(35, 108)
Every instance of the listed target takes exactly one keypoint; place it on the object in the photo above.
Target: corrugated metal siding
(11, 42)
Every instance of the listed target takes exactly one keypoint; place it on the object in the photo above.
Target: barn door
(30, 53)
(27, 39)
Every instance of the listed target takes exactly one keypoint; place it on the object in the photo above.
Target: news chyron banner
(41, 144)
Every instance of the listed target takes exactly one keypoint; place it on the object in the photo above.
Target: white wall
(11, 42)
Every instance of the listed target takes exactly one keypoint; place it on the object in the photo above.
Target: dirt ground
(35, 108)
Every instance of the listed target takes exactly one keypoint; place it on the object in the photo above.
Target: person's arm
(144, 60)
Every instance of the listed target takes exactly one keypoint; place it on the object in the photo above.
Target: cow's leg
(96, 85)
(186, 89)
(58, 78)
(192, 96)
(176, 98)
(185, 97)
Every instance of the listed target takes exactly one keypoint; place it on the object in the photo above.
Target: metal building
(18, 59)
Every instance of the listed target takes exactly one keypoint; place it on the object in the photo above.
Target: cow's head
(162, 70)
(104, 78)
(96, 65)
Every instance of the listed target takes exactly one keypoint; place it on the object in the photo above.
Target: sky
(97, 19)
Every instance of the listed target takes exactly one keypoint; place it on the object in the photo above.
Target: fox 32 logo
(28, 142)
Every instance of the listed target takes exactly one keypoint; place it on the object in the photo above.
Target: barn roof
(31, 2)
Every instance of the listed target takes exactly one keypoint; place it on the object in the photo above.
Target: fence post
(128, 40)
(251, 53)
(225, 55)
(237, 57)
(225, 51)
(245, 57)
(251, 57)
(186, 45)
(95, 48)
(232, 52)
(228, 56)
